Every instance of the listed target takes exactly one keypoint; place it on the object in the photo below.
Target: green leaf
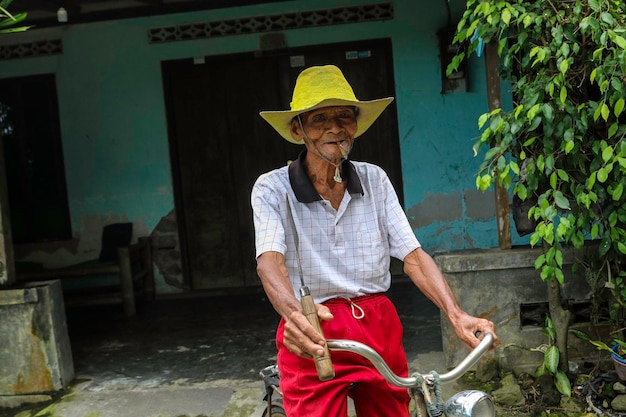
(534, 238)
(564, 66)
(591, 180)
(605, 111)
(600, 345)
(621, 42)
(541, 370)
(551, 359)
(506, 16)
(514, 167)
(613, 129)
(559, 276)
(579, 334)
(617, 192)
(559, 254)
(563, 95)
(594, 231)
(483, 182)
(605, 245)
(603, 173)
(618, 107)
(561, 201)
(535, 123)
(540, 261)
(548, 112)
(562, 383)
(482, 120)
(607, 18)
(533, 111)
(597, 112)
(607, 153)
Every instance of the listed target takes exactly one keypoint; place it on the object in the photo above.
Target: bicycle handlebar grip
(323, 364)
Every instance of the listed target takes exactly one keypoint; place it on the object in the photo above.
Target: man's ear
(296, 131)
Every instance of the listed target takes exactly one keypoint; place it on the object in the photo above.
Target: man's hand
(301, 338)
(466, 328)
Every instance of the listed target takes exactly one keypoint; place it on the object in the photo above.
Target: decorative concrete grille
(269, 23)
(31, 49)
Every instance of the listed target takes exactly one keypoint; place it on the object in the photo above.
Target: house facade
(158, 126)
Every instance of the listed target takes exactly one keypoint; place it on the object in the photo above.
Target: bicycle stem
(410, 382)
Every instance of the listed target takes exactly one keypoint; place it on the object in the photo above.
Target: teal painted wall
(114, 133)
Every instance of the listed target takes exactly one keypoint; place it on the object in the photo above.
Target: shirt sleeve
(402, 239)
(268, 227)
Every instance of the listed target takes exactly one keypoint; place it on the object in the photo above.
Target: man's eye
(318, 118)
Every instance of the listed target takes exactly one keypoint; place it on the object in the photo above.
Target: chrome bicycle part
(381, 366)
(470, 403)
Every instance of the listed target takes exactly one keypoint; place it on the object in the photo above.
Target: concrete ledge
(496, 284)
(37, 358)
(488, 259)
(14, 401)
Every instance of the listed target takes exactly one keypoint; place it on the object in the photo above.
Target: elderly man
(348, 222)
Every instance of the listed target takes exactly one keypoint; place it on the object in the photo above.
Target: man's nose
(334, 123)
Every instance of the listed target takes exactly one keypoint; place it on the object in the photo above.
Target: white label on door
(296, 61)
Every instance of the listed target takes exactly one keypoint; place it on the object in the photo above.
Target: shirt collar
(303, 187)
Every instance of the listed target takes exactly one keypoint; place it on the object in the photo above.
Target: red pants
(305, 395)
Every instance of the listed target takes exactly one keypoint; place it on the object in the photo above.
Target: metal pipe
(410, 382)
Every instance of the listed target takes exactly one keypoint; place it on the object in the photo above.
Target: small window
(31, 139)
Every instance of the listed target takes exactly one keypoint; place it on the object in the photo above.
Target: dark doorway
(31, 136)
(219, 144)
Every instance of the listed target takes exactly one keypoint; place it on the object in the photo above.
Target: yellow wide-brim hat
(324, 86)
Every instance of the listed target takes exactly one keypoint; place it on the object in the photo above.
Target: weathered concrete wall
(166, 254)
(35, 353)
(495, 284)
(115, 135)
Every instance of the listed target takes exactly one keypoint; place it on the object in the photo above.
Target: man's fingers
(300, 351)
(323, 312)
(301, 337)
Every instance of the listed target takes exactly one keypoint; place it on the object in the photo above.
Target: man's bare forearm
(276, 283)
(425, 274)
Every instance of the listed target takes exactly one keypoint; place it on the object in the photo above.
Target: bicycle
(424, 388)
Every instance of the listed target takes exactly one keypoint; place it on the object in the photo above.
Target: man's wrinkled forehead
(330, 110)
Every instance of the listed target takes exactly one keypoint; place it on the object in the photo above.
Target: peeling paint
(436, 208)
(84, 246)
(480, 205)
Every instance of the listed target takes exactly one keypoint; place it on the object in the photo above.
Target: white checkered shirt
(343, 252)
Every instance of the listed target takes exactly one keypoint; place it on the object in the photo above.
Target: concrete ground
(197, 356)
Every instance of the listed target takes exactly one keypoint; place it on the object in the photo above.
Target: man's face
(330, 129)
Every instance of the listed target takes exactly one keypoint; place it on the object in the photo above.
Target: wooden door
(219, 145)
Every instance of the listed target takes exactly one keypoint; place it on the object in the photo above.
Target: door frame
(169, 68)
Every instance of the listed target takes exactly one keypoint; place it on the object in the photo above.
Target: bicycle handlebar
(411, 382)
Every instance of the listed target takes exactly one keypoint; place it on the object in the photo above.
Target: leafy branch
(562, 147)
(8, 20)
